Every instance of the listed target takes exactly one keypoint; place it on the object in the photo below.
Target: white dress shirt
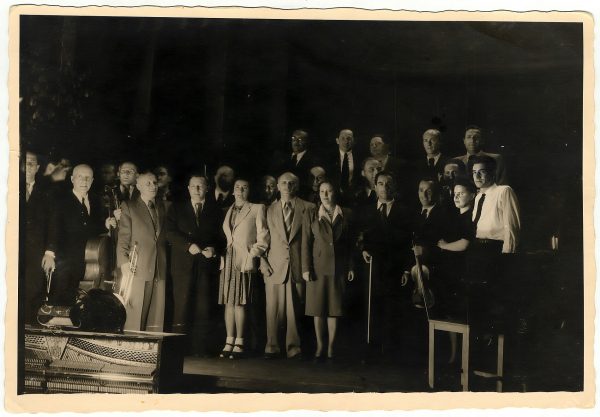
(336, 212)
(435, 159)
(298, 156)
(388, 207)
(499, 217)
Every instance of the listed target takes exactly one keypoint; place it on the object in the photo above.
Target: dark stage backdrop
(195, 92)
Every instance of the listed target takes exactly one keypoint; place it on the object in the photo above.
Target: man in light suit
(474, 143)
(143, 224)
(282, 268)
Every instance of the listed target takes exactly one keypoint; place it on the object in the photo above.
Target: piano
(66, 361)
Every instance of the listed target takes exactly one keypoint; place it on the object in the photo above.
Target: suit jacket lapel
(226, 227)
(278, 220)
(338, 226)
(297, 222)
(242, 214)
(145, 211)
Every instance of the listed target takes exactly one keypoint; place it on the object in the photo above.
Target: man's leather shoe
(271, 355)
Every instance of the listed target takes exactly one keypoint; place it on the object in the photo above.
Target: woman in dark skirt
(247, 235)
(326, 264)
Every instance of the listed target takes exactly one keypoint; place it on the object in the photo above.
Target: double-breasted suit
(285, 287)
(146, 311)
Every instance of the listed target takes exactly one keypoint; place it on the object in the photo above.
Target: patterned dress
(235, 287)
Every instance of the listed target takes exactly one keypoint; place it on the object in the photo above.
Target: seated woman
(247, 239)
(326, 263)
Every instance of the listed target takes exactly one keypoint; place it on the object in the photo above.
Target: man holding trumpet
(143, 225)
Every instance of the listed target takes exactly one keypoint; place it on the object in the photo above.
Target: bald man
(434, 162)
(143, 223)
(282, 270)
(75, 217)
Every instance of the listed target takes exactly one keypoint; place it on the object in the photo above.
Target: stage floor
(283, 375)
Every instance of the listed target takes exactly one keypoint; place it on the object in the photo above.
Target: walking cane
(369, 311)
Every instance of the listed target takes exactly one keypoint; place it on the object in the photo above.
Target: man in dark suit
(429, 224)
(344, 167)
(301, 161)
(433, 164)
(75, 217)
(387, 247)
(143, 226)
(35, 204)
(222, 196)
(196, 237)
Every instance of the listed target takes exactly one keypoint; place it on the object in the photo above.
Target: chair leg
(500, 362)
(465, 360)
(431, 352)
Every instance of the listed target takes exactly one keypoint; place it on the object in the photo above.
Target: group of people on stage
(318, 225)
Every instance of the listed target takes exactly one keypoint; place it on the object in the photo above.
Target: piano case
(66, 361)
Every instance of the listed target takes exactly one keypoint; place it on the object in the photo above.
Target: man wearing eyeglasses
(128, 175)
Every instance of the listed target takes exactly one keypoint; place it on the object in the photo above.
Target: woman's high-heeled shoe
(238, 355)
(226, 353)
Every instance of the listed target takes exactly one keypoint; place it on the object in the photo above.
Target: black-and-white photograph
(243, 205)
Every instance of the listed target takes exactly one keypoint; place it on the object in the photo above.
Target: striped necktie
(288, 215)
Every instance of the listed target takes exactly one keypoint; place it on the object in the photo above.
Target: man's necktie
(431, 162)
(85, 210)
(198, 211)
(288, 215)
(470, 163)
(27, 193)
(125, 193)
(479, 207)
(383, 214)
(154, 215)
(294, 159)
(345, 183)
(220, 198)
(424, 214)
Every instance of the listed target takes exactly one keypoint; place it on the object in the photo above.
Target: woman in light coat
(247, 239)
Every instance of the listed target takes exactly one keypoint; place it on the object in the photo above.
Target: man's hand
(194, 249)
(110, 222)
(366, 256)
(48, 263)
(418, 250)
(117, 214)
(267, 272)
(249, 266)
(126, 270)
(405, 278)
(209, 252)
(350, 275)
(306, 276)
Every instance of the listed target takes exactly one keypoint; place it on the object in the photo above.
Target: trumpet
(127, 280)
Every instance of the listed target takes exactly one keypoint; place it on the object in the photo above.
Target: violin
(421, 297)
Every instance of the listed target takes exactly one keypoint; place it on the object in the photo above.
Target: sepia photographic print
(257, 201)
